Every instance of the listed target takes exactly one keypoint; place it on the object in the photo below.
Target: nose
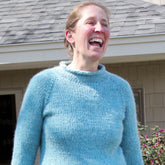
(98, 27)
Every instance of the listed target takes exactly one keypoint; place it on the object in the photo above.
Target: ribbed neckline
(64, 65)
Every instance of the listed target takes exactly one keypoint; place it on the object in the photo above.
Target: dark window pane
(138, 94)
(7, 127)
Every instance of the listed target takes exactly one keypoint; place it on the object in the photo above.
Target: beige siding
(16, 78)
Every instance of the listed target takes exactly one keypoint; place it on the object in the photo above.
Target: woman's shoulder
(46, 74)
(43, 79)
(118, 80)
(121, 85)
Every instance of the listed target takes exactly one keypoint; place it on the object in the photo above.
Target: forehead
(93, 11)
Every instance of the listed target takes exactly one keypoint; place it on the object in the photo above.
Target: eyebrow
(103, 19)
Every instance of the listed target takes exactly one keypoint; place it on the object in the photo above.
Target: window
(7, 127)
(138, 94)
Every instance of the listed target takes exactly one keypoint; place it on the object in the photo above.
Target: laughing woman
(77, 112)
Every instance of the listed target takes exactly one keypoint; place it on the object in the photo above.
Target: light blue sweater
(77, 118)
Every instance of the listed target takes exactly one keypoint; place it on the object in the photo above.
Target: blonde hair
(75, 16)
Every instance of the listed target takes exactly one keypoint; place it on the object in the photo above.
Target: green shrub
(153, 146)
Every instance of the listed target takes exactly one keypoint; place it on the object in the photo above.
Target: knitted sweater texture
(77, 118)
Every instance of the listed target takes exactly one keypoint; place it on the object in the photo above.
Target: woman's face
(91, 35)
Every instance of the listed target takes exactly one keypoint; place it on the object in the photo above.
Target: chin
(97, 56)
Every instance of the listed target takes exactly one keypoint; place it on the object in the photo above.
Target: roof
(33, 21)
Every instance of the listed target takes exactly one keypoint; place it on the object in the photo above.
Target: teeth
(96, 40)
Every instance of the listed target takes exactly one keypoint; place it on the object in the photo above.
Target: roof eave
(46, 54)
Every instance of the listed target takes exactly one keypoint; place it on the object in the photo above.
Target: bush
(153, 147)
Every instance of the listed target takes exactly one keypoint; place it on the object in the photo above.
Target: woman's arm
(29, 124)
(130, 140)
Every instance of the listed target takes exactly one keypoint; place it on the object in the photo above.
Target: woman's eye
(91, 22)
(105, 24)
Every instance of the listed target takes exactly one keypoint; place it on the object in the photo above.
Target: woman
(77, 112)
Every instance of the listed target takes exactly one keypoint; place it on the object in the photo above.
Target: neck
(76, 65)
(83, 63)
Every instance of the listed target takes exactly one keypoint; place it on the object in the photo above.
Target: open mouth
(96, 42)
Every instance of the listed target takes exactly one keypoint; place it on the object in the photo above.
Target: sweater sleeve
(29, 124)
(130, 140)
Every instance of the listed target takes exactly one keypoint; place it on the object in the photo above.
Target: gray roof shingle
(30, 21)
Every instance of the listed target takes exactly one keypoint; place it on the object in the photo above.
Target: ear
(69, 36)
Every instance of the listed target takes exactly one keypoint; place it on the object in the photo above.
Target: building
(31, 39)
